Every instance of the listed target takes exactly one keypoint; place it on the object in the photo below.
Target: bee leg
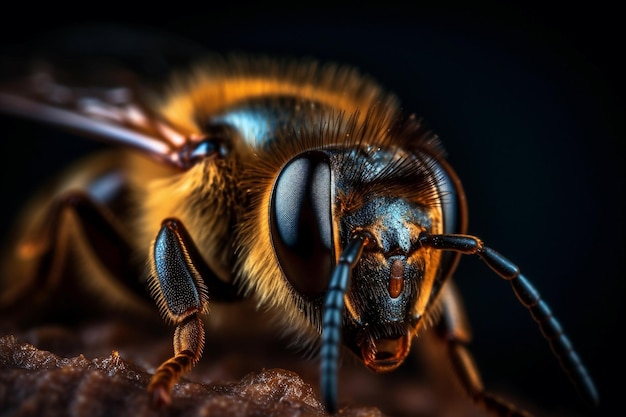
(454, 330)
(178, 285)
(44, 251)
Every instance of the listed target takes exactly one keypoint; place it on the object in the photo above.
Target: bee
(301, 186)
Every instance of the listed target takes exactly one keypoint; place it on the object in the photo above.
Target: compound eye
(454, 212)
(301, 222)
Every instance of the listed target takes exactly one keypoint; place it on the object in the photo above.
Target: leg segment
(453, 329)
(530, 298)
(188, 346)
(177, 283)
(73, 219)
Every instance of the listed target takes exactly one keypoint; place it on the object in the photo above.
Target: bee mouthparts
(385, 354)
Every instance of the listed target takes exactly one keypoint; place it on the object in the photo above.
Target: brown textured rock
(101, 367)
(35, 382)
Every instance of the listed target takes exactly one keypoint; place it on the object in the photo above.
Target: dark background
(529, 103)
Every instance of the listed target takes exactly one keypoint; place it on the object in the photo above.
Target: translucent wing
(112, 114)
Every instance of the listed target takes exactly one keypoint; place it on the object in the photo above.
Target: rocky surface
(98, 361)
(34, 382)
(102, 369)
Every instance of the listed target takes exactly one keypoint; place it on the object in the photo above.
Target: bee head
(322, 199)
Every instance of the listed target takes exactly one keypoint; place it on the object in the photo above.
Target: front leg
(177, 283)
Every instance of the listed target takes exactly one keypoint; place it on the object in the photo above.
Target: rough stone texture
(38, 383)
(103, 368)
(97, 361)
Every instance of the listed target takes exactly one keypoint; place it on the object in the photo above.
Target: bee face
(321, 199)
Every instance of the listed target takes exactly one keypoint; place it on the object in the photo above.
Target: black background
(529, 103)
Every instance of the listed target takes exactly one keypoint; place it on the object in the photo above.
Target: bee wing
(128, 61)
(112, 115)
